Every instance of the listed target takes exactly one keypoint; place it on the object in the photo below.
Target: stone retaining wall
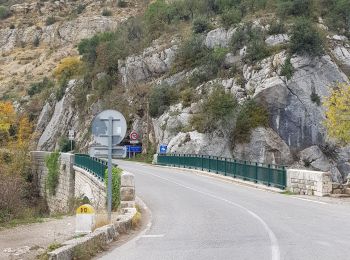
(90, 186)
(65, 190)
(307, 182)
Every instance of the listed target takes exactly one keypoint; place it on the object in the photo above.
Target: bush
(250, 116)
(315, 98)
(295, 7)
(68, 67)
(12, 26)
(106, 12)
(256, 51)
(65, 144)
(276, 27)
(36, 41)
(4, 12)
(80, 8)
(50, 20)
(53, 167)
(200, 25)
(122, 3)
(230, 18)
(287, 69)
(217, 110)
(38, 87)
(305, 39)
(191, 53)
(116, 176)
(161, 97)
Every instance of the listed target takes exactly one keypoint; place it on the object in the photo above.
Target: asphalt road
(198, 217)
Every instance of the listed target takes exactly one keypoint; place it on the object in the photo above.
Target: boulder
(265, 146)
(219, 37)
(314, 157)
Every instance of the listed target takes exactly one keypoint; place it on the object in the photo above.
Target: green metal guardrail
(268, 174)
(93, 165)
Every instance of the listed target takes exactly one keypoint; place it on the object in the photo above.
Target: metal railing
(93, 165)
(268, 174)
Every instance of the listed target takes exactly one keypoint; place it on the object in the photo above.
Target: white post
(110, 136)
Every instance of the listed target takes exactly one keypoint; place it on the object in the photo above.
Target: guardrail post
(217, 165)
(269, 175)
(225, 166)
(235, 171)
(256, 172)
(202, 162)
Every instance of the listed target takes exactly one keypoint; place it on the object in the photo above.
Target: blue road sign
(134, 149)
(163, 148)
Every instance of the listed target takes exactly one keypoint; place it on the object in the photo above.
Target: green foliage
(315, 98)
(122, 3)
(250, 116)
(200, 24)
(65, 144)
(305, 39)
(50, 20)
(80, 8)
(106, 12)
(161, 97)
(191, 53)
(287, 69)
(295, 7)
(4, 12)
(217, 110)
(53, 167)
(116, 176)
(277, 27)
(231, 17)
(36, 41)
(38, 87)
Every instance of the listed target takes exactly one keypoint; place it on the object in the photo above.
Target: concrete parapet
(127, 189)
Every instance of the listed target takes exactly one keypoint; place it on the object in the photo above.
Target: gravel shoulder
(27, 241)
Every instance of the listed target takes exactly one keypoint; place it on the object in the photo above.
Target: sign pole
(110, 135)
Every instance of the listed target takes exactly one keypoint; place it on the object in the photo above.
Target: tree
(338, 113)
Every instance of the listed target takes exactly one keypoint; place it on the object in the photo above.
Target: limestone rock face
(60, 121)
(219, 38)
(154, 62)
(315, 157)
(265, 146)
(293, 114)
(277, 39)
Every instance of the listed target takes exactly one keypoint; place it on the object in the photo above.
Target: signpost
(108, 129)
(163, 149)
(71, 138)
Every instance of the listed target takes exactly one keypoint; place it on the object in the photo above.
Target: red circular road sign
(134, 136)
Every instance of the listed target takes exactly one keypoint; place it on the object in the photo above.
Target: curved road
(198, 217)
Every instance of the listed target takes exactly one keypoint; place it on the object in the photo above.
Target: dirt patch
(27, 241)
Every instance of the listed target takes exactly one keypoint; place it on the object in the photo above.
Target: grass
(136, 220)
(100, 221)
(287, 192)
(22, 221)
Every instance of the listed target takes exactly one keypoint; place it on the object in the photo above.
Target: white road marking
(152, 236)
(314, 201)
(275, 251)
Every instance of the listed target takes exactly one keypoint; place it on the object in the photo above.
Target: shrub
(200, 25)
(53, 167)
(287, 69)
(65, 144)
(250, 116)
(80, 8)
(276, 27)
(187, 96)
(305, 39)
(122, 3)
(256, 51)
(217, 110)
(116, 176)
(68, 67)
(191, 53)
(295, 7)
(38, 87)
(315, 98)
(106, 12)
(230, 17)
(161, 97)
(12, 26)
(4, 12)
(36, 41)
(50, 20)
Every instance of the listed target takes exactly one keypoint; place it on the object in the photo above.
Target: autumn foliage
(338, 113)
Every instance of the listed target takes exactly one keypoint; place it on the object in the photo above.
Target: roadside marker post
(85, 219)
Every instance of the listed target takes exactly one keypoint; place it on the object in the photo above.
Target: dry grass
(101, 220)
